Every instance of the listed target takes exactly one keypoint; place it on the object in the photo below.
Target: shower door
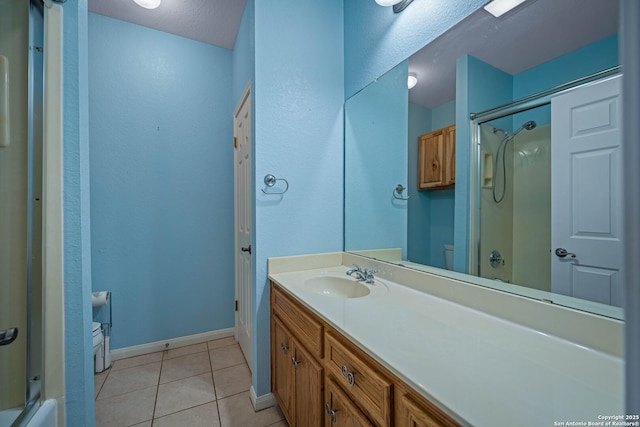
(21, 36)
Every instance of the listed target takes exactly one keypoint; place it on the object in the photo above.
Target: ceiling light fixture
(148, 4)
(500, 7)
(412, 80)
(398, 5)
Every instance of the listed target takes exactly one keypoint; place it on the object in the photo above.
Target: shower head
(508, 136)
(527, 126)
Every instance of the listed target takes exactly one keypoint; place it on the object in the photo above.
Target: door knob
(562, 252)
(8, 336)
(246, 249)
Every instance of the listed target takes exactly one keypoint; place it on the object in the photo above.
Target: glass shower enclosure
(21, 107)
(515, 199)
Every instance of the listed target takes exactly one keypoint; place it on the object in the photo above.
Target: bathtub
(46, 415)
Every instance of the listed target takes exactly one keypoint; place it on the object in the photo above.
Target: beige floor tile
(201, 416)
(281, 423)
(98, 382)
(233, 380)
(237, 411)
(183, 351)
(130, 379)
(144, 424)
(185, 366)
(126, 409)
(183, 394)
(222, 342)
(226, 356)
(137, 361)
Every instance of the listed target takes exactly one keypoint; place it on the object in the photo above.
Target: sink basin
(337, 287)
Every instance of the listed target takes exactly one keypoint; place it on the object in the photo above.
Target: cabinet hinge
(236, 305)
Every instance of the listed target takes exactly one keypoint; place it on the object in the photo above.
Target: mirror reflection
(481, 208)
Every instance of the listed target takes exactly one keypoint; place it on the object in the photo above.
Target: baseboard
(152, 347)
(263, 402)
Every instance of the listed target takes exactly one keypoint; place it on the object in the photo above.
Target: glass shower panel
(21, 89)
(515, 199)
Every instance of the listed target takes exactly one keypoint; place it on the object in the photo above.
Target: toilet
(98, 347)
(448, 257)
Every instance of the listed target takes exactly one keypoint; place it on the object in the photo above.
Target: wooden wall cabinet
(437, 159)
(320, 378)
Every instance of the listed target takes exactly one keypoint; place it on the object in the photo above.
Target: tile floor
(199, 385)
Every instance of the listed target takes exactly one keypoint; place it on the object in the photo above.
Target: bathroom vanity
(417, 349)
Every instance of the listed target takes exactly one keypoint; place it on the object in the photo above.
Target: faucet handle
(368, 275)
(357, 267)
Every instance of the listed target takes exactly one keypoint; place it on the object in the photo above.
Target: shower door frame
(476, 119)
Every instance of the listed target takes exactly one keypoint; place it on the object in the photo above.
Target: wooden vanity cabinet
(437, 159)
(319, 377)
(360, 377)
(412, 410)
(297, 377)
(281, 370)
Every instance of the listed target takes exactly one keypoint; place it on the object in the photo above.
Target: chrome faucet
(366, 274)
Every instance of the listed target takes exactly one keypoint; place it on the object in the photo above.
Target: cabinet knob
(350, 376)
(284, 348)
(295, 362)
(331, 412)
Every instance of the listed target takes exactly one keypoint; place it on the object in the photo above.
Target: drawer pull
(284, 348)
(331, 412)
(350, 376)
(295, 362)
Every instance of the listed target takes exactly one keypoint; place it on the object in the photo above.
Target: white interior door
(586, 196)
(243, 230)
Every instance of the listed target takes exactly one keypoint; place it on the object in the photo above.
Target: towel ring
(270, 181)
(397, 193)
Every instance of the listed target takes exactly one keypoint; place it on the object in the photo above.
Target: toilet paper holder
(100, 299)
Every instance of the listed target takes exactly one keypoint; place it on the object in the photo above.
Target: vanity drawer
(300, 322)
(367, 386)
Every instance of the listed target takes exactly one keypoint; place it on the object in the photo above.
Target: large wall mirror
(421, 176)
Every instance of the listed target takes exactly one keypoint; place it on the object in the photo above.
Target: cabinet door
(308, 388)
(411, 414)
(341, 412)
(450, 155)
(430, 156)
(282, 370)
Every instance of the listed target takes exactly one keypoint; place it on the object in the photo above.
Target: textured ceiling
(528, 36)
(210, 21)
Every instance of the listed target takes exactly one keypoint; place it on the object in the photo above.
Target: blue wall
(444, 115)
(298, 136)
(442, 206)
(375, 162)
(418, 215)
(78, 353)
(376, 39)
(478, 86)
(243, 54)
(431, 213)
(161, 164)
(590, 59)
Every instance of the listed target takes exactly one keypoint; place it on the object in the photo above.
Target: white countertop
(483, 370)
